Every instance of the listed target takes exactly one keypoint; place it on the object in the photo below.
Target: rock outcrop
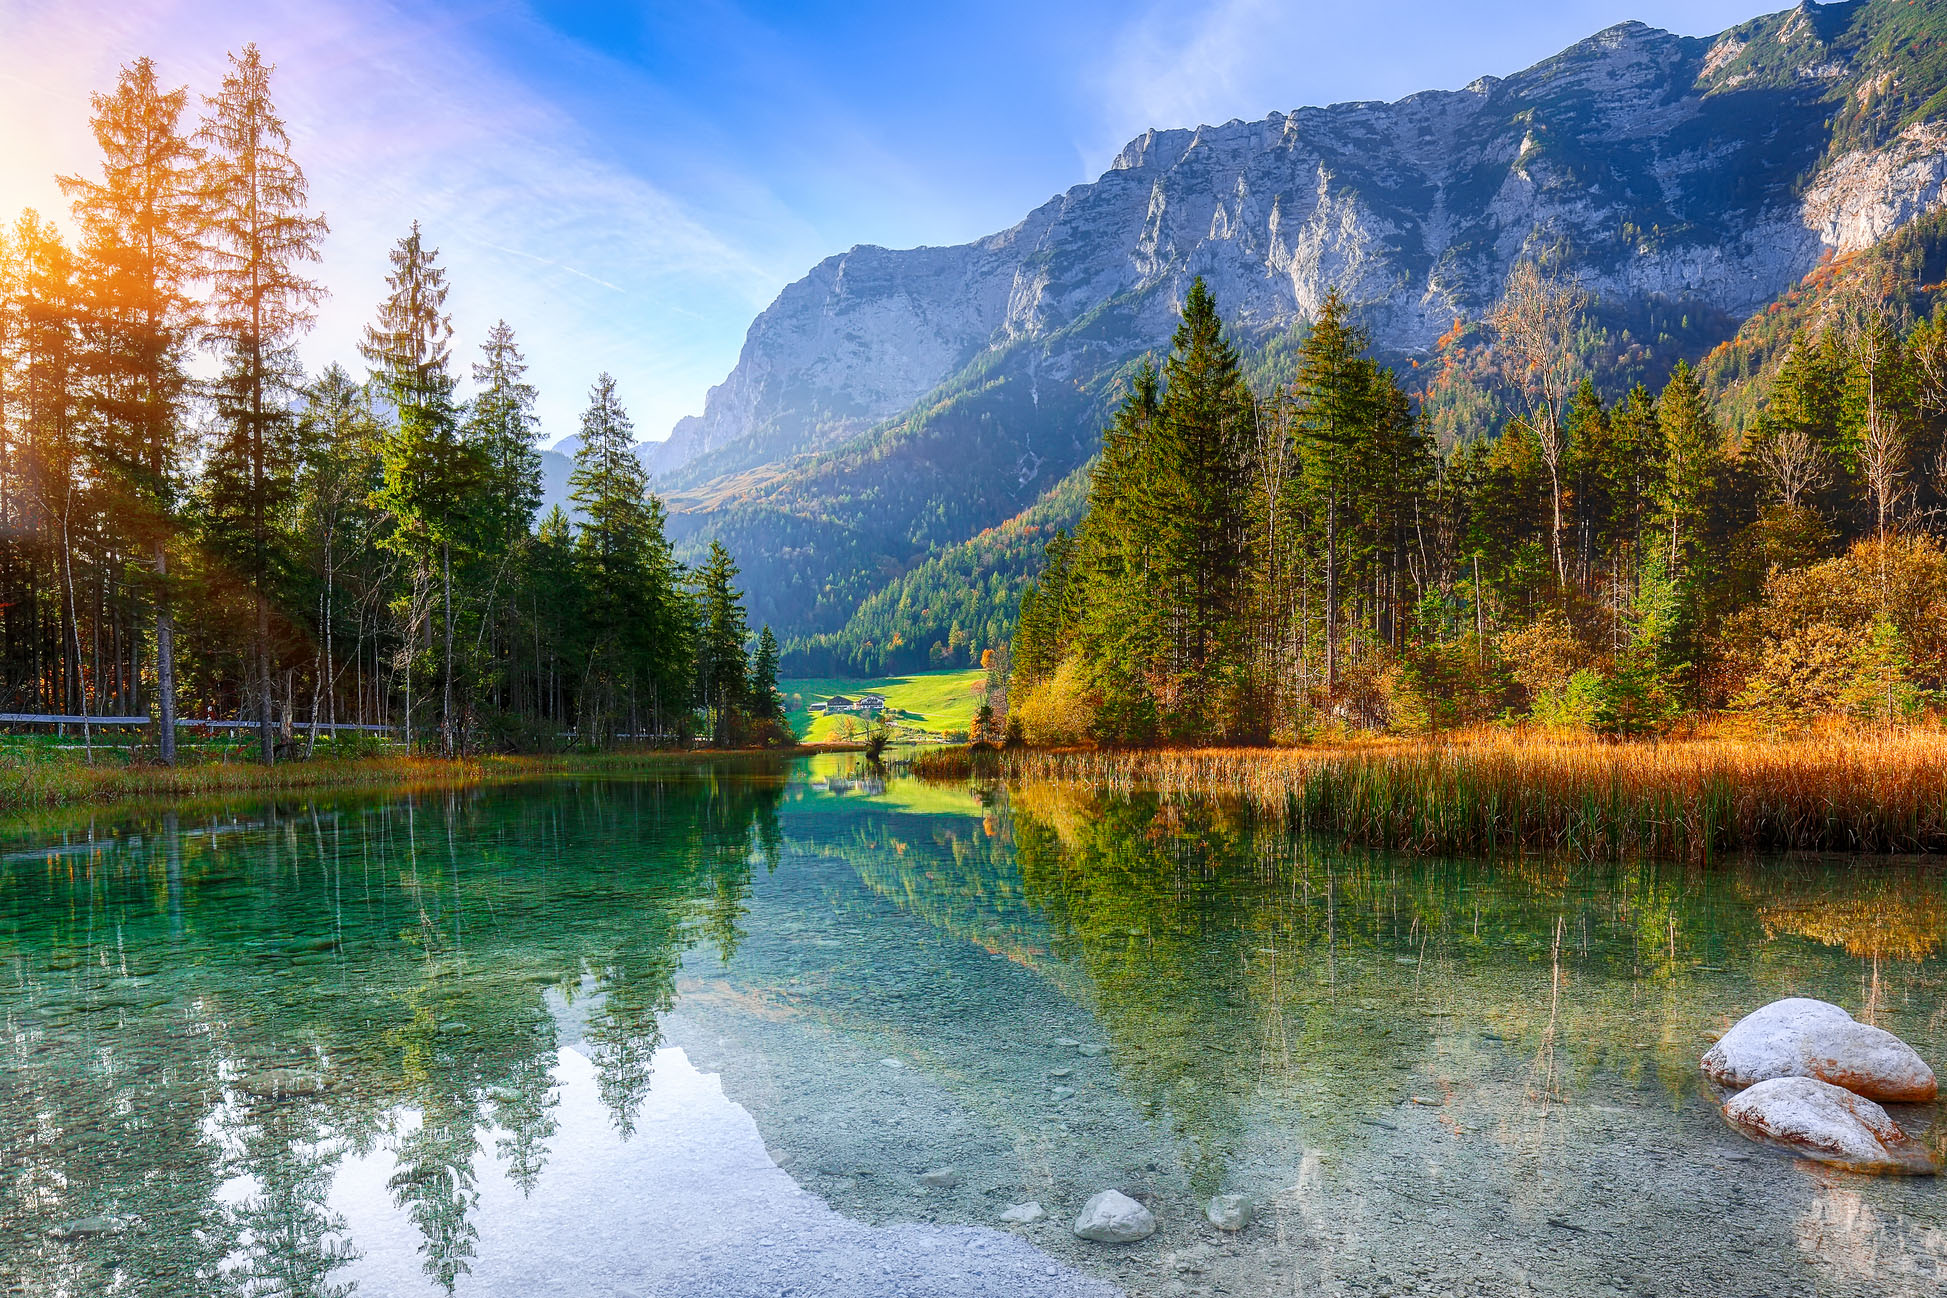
(1705, 175)
(1828, 1123)
(1800, 1037)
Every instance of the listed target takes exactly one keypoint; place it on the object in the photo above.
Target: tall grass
(1686, 799)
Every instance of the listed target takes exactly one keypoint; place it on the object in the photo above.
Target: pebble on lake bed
(1827, 1123)
(1112, 1217)
(1801, 1037)
(89, 1227)
(1229, 1212)
(940, 1178)
(1023, 1214)
(1092, 1051)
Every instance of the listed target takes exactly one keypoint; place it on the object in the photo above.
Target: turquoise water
(810, 1031)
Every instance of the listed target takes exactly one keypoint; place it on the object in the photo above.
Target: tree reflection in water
(209, 1018)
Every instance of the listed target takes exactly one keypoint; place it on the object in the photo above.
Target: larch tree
(141, 225)
(259, 236)
(1537, 321)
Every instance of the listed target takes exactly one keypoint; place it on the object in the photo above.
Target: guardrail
(182, 723)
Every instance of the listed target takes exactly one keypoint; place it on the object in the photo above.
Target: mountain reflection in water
(704, 1034)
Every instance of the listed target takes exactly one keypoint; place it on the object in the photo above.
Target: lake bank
(1687, 799)
(36, 783)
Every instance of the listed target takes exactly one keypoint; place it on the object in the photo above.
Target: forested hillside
(1255, 568)
(892, 404)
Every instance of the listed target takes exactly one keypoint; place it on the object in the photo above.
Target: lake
(804, 1030)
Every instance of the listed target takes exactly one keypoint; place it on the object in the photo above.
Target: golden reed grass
(1499, 790)
(28, 783)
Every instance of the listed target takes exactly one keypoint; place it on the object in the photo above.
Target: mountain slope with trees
(892, 403)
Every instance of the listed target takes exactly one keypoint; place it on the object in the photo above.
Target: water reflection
(304, 1049)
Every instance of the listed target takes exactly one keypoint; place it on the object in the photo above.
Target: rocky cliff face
(1686, 171)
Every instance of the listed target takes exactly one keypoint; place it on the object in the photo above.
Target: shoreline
(27, 786)
(1681, 799)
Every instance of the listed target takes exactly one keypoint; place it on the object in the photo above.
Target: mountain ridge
(892, 403)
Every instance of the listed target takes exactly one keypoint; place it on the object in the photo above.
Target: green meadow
(921, 706)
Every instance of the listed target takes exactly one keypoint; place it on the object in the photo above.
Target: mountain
(893, 404)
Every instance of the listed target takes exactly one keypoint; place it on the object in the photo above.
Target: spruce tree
(1196, 510)
(628, 572)
(766, 704)
(502, 425)
(432, 475)
(722, 674)
(258, 234)
(140, 227)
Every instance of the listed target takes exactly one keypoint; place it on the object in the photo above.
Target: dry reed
(1496, 790)
(28, 783)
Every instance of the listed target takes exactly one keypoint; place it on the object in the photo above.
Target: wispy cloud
(399, 116)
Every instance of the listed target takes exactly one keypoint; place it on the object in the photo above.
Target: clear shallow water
(704, 1036)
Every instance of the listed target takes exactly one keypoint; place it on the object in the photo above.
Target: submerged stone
(1112, 1217)
(89, 1227)
(1229, 1212)
(1827, 1123)
(940, 1178)
(1022, 1214)
(1801, 1037)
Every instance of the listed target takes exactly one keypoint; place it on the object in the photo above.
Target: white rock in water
(1800, 1037)
(1022, 1214)
(1229, 1212)
(1112, 1217)
(1828, 1123)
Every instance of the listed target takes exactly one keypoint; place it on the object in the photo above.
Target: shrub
(1059, 710)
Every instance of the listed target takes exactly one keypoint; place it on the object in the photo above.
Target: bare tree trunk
(165, 663)
(446, 697)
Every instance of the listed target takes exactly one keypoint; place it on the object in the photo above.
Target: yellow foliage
(1060, 710)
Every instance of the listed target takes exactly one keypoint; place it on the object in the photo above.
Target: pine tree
(501, 423)
(1333, 399)
(1692, 448)
(1195, 507)
(140, 228)
(766, 704)
(258, 234)
(627, 570)
(722, 674)
(432, 475)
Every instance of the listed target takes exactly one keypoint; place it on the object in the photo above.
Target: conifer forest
(1326, 552)
(192, 528)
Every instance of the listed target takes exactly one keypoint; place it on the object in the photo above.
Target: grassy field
(1689, 799)
(925, 706)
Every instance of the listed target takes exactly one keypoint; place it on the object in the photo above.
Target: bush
(1059, 710)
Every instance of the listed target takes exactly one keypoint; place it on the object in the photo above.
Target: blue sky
(628, 184)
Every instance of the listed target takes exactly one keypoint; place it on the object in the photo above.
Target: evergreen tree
(432, 475)
(632, 619)
(502, 424)
(721, 672)
(258, 234)
(766, 704)
(140, 228)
